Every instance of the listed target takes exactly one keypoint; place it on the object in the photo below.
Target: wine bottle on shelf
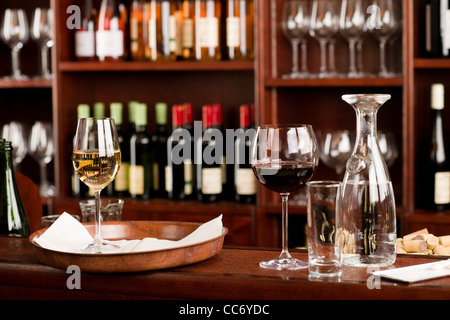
(435, 28)
(159, 150)
(163, 31)
(85, 36)
(207, 30)
(245, 183)
(140, 173)
(209, 171)
(217, 123)
(239, 30)
(138, 30)
(131, 118)
(13, 217)
(79, 189)
(436, 191)
(175, 174)
(99, 110)
(189, 177)
(175, 25)
(120, 185)
(110, 34)
(187, 30)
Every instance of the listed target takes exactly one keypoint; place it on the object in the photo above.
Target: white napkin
(69, 235)
(419, 272)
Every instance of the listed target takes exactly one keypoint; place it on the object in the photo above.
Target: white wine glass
(15, 132)
(295, 25)
(351, 27)
(41, 149)
(15, 33)
(284, 158)
(96, 159)
(324, 25)
(42, 32)
(383, 24)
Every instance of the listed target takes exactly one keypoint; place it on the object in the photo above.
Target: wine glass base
(98, 247)
(296, 75)
(16, 77)
(282, 263)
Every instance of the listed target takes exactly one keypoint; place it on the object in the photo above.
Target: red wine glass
(284, 158)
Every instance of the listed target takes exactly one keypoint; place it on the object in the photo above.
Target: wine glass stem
(304, 47)
(383, 68)
(284, 223)
(351, 46)
(359, 51)
(98, 235)
(294, 56)
(332, 61)
(43, 174)
(323, 56)
(15, 62)
(44, 61)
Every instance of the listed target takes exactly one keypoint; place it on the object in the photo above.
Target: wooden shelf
(424, 63)
(7, 84)
(335, 82)
(127, 66)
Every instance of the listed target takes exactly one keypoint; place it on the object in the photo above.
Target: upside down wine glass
(96, 159)
(284, 158)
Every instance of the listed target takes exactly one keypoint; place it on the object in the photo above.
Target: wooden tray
(134, 261)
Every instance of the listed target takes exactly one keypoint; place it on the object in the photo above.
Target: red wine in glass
(284, 158)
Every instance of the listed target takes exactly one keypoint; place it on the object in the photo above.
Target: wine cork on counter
(423, 242)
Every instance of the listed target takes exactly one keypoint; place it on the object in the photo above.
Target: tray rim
(32, 236)
(88, 261)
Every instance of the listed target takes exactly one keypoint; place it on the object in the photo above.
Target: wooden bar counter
(232, 274)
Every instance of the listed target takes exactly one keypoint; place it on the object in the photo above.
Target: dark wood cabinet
(277, 100)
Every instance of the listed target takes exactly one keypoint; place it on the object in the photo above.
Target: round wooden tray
(134, 261)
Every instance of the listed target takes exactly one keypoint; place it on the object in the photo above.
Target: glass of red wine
(284, 158)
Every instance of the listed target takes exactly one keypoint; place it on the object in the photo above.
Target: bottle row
(437, 29)
(195, 160)
(166, 30)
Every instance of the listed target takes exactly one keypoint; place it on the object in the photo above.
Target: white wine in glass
(96, 159)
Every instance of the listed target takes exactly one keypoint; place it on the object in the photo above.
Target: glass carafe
(368, 232)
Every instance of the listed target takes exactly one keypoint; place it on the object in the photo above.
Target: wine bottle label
(188, 33)
(211, 180)
(169, 179)
(245, 182)
(121, 181)
(442, 187)
(136, 175)
(109, 43)
(84, 44)
(134, 34)
(155, 176)
(188, 174)
(152, 39)
(233, 32)
(209, 32)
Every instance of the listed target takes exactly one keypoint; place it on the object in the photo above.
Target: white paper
(67, 234)
(420, 272)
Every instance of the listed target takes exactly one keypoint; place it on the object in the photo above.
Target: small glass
(47, 221)
(110, 209)
(324, 251)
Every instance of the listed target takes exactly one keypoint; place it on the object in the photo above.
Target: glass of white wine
(96, 159)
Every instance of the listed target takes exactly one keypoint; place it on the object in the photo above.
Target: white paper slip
(419, 272)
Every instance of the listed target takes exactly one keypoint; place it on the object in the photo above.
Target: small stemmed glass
(324, 24)
(383, 24)
(42, 32)
(335, 149)
(295, 24)
(41, 148)
(96, 159)
(351, 26)
(284, 158)
(15, 34)
(15, 132)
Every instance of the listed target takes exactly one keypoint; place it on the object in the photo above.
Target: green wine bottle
(13, 217)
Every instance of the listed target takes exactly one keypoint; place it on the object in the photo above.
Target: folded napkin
(419, 272)
(67, 234)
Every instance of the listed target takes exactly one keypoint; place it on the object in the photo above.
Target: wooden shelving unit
(277, 100)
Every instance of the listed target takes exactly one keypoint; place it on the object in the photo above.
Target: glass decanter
(368, 232)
